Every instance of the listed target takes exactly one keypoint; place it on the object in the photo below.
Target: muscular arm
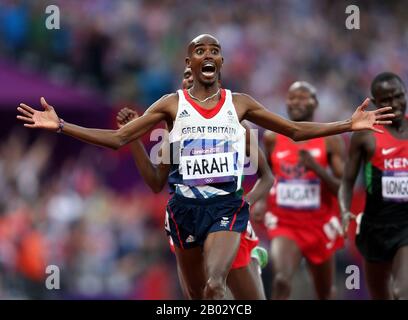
(48, 119)
(259, 209)
(265, 177)
(155, 176)
(336, 152)
(269, 141)
(250, 109)
(117, 138)
(357, 151)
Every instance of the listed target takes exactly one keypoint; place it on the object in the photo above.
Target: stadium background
(84, 208)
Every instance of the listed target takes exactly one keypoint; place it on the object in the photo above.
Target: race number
(298, 194)
(205, 161)
(395, 186)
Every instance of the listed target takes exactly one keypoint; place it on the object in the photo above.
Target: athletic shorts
(243, 257)
(378, 241)
(317, 239)
(189, 220)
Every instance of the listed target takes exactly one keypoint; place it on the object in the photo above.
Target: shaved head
(202, 39)
(301, 101)
(303, 85)
(205, 59)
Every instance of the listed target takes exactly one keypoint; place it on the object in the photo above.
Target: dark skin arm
(259, 209)
(265, 177)
(155, 176)
(248, 108)
(361, 149)
(165, 110)
(162, 110)
(335, 149)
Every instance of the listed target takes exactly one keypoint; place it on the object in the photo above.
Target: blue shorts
(189, 220)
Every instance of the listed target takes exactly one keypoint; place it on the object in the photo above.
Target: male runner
(205, 119)
(301, 220)
(382, 236)
(244, 279)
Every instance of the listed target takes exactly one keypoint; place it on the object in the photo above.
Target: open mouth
(208, 69)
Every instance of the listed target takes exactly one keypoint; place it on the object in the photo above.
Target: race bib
(206, 161)
(298, 194)
(395, 186)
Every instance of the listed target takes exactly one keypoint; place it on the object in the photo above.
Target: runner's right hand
(124, 116)
(46, 119)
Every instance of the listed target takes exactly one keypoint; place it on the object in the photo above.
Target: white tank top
(207, 148)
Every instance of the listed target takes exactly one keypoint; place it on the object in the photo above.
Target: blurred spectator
(266, 44)
(106, 244)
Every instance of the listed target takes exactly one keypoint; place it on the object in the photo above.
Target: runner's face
(391, 94)
(300, 104)
(187, 79)
(205, 60)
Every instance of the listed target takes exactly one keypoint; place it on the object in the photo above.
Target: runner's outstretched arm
(49, 120)
(360, 120)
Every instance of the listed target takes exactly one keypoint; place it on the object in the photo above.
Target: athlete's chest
(390, 153)
(287, 161)
(220, 122)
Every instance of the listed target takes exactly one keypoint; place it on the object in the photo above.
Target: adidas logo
(184, 114)
(190, 239)
(229, 113)
(224, 222)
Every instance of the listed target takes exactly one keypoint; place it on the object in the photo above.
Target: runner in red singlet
(302, 217)
(382, 230)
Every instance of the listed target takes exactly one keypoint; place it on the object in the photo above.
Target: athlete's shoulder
(241, 97)
(170, 97)
(167, 101)
(244, 101)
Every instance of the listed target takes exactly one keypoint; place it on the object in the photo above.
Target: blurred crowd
(106, 244)
(109, 241)
(134, 50)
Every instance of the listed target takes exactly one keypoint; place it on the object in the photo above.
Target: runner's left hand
(363, 120)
